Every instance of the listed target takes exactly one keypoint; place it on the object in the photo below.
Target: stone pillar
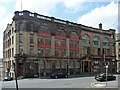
(83, 66)
(67, 44)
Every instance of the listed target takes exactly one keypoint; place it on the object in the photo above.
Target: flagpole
(21, 5)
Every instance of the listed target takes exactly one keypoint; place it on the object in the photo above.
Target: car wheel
(66, 76)
(56, 77)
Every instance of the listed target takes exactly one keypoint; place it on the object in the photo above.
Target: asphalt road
(79, 82)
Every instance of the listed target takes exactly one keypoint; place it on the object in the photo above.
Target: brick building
(42, 45)
(118, 51)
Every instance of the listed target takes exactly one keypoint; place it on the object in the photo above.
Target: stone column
(53, 45)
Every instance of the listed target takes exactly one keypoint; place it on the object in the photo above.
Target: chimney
(100, 26)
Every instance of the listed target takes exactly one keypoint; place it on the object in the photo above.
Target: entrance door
(86, 66)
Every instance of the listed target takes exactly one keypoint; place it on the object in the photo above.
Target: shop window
(48, 41)
(48, 52)
(57, 42)
(57, 52)
(40, 40)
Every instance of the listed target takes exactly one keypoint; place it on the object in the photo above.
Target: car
(58, 75)
(102, 77)
(8, 78)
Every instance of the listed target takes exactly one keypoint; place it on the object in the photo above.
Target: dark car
(102, 77)
(8, 78)
(58, 75)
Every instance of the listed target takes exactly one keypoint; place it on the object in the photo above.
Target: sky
(85, 12)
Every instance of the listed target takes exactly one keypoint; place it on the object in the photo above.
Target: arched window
(96, 40)
(73, 34)
(106, 42)
(86, 39)
(60, 32)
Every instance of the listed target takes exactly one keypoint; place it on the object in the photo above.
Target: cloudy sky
(86, 12)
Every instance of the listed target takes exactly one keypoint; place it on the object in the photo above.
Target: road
(79, 82)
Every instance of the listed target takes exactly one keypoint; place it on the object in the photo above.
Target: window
(73, 34)
(31, 26)
(31, 38)
(71, 43)
(77, 44)
(98, 51)
(63, 42)
(57, 42)
(96, 41)
(63, 53)
(48, 52)
(60, 32)
(21, 26)
(21, 38)
(21, 50)
(106, 42)
(12, 40)
(31, 50)
(48, 41)
(57, 52)
(12, 51)
(119, 51)
(40, 40)
(76, 53)
(41, 51)
(71, 53)
(85, 39)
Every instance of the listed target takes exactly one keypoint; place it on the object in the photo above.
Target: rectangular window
(63, 42)
(12, 40)
(119, 51)
(71, 53)
(40, 40)
(21, 26)
(57, 42)
(63, 53)
(12, 51)
(41, 51)
(21, 50)
(31, 50)
(98, 51)
(48, 52)
(77, 54)
(31, 26)
(21, 38)
(76, 44)
(57, 52)
(48, 41)
(71, 43)
(88, 50)
(31, 38)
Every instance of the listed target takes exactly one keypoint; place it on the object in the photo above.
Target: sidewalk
(98, 85)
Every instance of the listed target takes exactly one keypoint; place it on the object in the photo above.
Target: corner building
(41, 45)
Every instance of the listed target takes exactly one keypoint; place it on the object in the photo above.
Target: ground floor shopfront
(35, 67)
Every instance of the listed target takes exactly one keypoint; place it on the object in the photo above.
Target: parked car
(8, 78)
(102, 77)
(58, 75)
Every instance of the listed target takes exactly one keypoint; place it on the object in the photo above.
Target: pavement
(99, 85)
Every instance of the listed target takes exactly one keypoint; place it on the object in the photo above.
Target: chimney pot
(100, 26)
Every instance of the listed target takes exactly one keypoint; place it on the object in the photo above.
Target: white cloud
(39, 6)
(2, 10)
(6, 1)
(107, 15)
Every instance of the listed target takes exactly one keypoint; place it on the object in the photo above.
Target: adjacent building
(41, 45)
(118, 51)
(1, 68)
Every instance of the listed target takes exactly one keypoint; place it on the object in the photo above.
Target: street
(79, 82)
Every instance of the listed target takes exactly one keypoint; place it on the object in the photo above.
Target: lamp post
(106, 74)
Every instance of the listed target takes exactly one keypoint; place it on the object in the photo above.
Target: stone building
(1, 68)
(41, 45)
(118, 51)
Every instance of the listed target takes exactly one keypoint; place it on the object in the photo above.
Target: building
(118, 51)
(1, 67)
(41, 45)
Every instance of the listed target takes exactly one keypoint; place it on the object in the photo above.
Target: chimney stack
(100, 26)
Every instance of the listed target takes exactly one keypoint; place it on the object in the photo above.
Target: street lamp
(106, 74)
